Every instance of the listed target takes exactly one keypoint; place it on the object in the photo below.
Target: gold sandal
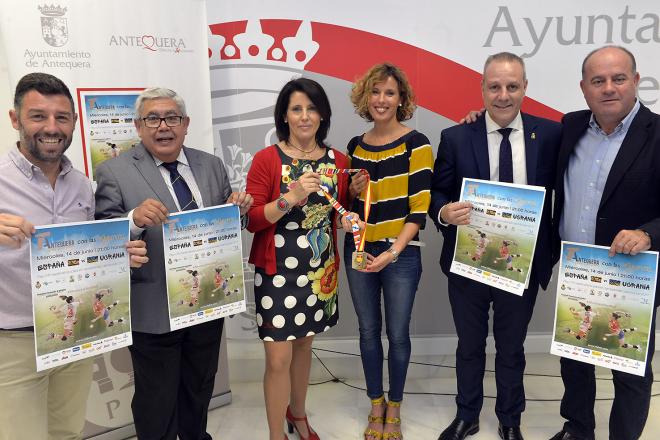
(370, 432)
(394, 435)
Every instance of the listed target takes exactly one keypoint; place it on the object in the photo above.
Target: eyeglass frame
(161, 120)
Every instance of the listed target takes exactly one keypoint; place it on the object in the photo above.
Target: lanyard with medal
(359, 262)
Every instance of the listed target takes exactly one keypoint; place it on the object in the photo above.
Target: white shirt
(184, 169)
(517, 139)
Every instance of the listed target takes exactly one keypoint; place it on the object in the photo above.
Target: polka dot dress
(301, 298)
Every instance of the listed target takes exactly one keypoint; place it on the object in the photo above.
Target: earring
(400, 105)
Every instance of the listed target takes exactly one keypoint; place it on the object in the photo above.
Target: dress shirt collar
(182, 159)
(491, 126)
(624, 125)
(27, 167)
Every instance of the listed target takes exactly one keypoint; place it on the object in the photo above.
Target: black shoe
(509, 432)
(459, 429)
(563, 435)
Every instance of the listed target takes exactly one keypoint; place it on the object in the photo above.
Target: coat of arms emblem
(53, 25)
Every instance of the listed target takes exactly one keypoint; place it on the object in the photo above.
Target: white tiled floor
(339, 412)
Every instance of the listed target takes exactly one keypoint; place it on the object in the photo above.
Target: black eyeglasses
(155, 121)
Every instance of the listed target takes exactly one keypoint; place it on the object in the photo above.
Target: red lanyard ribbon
(358, 237)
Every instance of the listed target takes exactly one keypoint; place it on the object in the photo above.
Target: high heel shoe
(291, 424)
(394, 435)
(370, 432)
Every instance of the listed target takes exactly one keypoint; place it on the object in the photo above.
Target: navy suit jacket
(631, 198)
(123, 184)
(463, 152)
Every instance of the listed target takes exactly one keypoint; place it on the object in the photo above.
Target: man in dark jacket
(508, 146)
(608, 193)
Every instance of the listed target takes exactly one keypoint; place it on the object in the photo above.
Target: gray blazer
(123, 184)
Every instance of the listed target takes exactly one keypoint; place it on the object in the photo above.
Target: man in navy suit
(608, 193)
(501, 145)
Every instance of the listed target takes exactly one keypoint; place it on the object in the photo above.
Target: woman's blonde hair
(362, 88)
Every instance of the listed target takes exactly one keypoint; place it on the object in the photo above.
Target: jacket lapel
(479, 139)
(569, 142)
(531, 147)
(197, 168)
(633, 143)
(153, 178)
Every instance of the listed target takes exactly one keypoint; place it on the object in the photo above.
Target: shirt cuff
(136, 231)
(440, 216)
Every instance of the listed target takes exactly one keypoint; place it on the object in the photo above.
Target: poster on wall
(604, 307)
(106, 124)
(203, 263)
(80, 277)
(497, 247)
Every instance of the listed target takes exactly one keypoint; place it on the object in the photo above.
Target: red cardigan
(263, 183)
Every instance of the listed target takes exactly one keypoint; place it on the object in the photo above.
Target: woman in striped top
(399, 162)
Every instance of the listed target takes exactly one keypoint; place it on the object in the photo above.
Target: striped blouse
(400, 175)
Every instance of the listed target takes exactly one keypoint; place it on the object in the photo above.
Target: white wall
(7, 133)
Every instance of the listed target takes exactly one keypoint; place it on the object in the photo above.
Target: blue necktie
(181, 189)
(506, 157)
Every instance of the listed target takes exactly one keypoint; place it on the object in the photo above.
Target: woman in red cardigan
(294, 248)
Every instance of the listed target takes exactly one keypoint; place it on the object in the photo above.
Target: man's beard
(31, 145)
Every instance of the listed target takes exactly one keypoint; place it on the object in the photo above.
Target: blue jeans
(398, 283)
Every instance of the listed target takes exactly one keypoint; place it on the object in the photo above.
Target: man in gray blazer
(174, 370)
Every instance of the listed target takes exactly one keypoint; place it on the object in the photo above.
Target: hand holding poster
(80, 290)
(497, 247)
(604, 307)
(204, 265)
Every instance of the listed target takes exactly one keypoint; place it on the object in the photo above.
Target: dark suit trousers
(174, 378)
(470, 304)
(632, 398)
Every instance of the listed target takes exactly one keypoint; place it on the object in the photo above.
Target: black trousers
(632, 398)
(470, 305)
(174, 379)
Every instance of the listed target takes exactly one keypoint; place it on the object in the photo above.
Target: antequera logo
(53, 25)
(153, 43)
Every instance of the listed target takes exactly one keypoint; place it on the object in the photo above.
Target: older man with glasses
(174, 370)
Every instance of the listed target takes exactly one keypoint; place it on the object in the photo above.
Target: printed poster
(80, 290)
(604, 307)
(204, 265)
(106, 123)
(497, 247)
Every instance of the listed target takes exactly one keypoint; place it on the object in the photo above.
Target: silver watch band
(394, 253)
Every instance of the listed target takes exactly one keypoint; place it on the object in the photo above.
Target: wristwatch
(282, 204)
(394, 253)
